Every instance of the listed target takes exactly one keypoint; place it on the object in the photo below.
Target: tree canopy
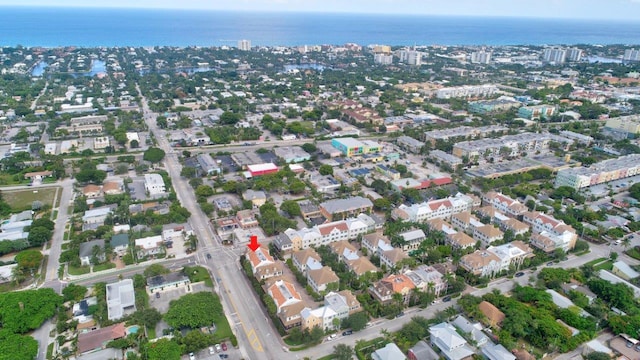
(193, 310)
(23, 311)
(154, 155)
(17, 347)
(164, 349)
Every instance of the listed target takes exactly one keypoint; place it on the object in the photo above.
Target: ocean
(92, 27)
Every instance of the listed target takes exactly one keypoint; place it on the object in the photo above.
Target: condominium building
(493, 106)
(563, 235)
(383, 59)
(507, 146)
(410, 57)
(481, 57)
(631, 55)
(435, 209)
(463, 133)
(537, 112)
(244, 45)
(599, 173)
(504, 203)
(554, 55)
(574, 54)
(623, 127)
(467, 91)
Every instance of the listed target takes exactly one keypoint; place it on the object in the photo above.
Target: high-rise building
(555, 55)
(481, 57)
(410, 57)
(244, 45)
(631, 55)
(383, 59)
(574, 54)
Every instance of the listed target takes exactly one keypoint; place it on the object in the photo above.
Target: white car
(192, 357)
(331, 337)
(211, 350)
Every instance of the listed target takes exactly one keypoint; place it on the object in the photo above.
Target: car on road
(331, 337)
(192, 357)
(520, 273)
(446, 299)
(550, 263)
(208, 256)
(157, 295)
(223, 356)
(348, 332)
(224, 346)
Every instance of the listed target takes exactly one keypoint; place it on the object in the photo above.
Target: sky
(579, 9)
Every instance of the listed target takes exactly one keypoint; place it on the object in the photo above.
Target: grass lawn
(22, 199)
(198, 274)
(634, 253)
(78, 270)
(151, 332)
(596, 261)
(223, 330)
(105, 266)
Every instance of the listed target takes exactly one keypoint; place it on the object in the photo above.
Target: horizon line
(106, 7)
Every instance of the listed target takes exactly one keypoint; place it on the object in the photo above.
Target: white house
(154, 184)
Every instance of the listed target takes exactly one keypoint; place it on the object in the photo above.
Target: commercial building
(410, 144)
(263, 265)
(262, 169)
(584, 139)
(342, 208)
(599, 173)
(353, 147)
(154, 184)
(208, 165)
(121, 299)
(291, 154)
(537, 112)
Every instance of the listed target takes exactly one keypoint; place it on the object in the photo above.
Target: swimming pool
(133, 329)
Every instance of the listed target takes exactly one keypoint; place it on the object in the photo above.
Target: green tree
(17, 347)
(309, 147)
(342, 352)
(290, 207)
(154, 155)
(188, 172)
(163, 349)
(325, 169)
(155, 270)
(74, 292)
(38, 235)
(204, 191)
(356, 322)
(36, 306)
(196, 340)
(598, 356)
(29, 259)
(193, 310)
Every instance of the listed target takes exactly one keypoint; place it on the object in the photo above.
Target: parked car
(224, 346)
(348, 332)
(331, 337)
(446, 298)
(192, 357)
(211, 350)
(223, 356)
(518, 274)
(157, 295)
(218, 348)
(400, 314)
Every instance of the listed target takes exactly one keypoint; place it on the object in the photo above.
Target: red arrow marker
(254, 245)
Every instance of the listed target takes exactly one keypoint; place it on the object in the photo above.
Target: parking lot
(136, 189)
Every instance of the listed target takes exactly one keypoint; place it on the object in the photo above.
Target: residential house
(473, 331)
(517, 227)
(176, 232)
(112, 187)
(321, 279)
(95, 217)
(487, 234)
(86, 252)
(121, 299)
(344, 250)
(343, 208)
(149, 246)
(305, 260)
(288, 302)
(513, 253)
(452, 346)
(154, 185)
(384, 289)
(391, 351)
(481, 263)
(392, 258)
(92, 191)
(568, 288)
(412, 239)
(361, 266)
(565, 235)
(98, 339)
(494, 316)
(119, 243)
(504, 204)
(422, 351)
(427, 279)
(465, 221)
(379, 245)
(460, 240)
(614, 279)
(497, 352)
(257, 198)
(623, 270)
(337, 307)
(262, 264)
(442, 208)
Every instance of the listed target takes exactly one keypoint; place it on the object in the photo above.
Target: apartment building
(513, 253)
(320, 279)
(487, 234)
(305, 260)
(467, 91)
(508, 146)
(384, 289)
(342, 208)
(504, 203)
(537, 112)
(481, 263)
(337, 305)
(288, 302)
(493, 106)
(623, 127)
(563, 235)
(463, 133)
(427, 279)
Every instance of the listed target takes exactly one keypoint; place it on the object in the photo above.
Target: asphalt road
(256, 338)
